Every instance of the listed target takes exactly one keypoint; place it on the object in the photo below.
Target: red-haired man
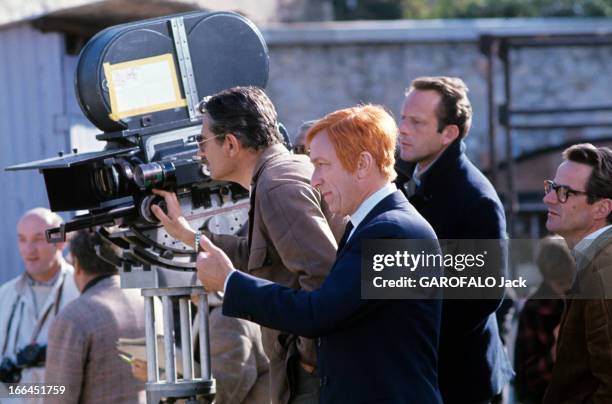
(382, 351)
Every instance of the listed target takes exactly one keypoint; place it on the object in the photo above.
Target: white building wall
(32, 98)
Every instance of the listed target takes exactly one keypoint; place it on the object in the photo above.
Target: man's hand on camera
(174, 222)
(213, 265)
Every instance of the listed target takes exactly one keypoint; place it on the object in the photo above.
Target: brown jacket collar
(270, 153)
(593, 249)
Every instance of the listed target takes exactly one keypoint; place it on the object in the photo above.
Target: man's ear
(449, 134)
(76, 265)
(365, 162)
(603, 208)
(232, 144)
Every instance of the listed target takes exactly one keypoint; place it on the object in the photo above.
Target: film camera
(32, 355)
(140, 84)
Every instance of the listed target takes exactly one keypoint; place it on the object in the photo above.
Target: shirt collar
(584, 244)
(50, 283)
(93, 282)
(442, 160)
(371, 201)
(416, 175)
(24, 279)
(420, 172)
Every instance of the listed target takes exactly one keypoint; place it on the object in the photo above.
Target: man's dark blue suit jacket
(460, 203)
(369, 351)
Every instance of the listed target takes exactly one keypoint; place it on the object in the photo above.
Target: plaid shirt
(533, 359)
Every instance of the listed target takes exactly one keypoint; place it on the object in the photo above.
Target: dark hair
(246, 112)
(83, 246)
(599, 184)
(455, 107)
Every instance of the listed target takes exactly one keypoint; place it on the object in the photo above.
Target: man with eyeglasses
(579, 202)
(369, 350)
(289, 237)
(299, 142)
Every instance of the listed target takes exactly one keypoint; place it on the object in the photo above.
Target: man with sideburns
(289, 237)
(461, 205)
(579, 202)
(382, 351)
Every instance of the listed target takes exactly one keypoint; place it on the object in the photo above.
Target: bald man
(30, 302)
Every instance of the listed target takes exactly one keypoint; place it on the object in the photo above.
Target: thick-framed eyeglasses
(563, 191)
(202, 142)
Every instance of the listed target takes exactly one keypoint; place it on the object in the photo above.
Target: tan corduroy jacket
(583, 370)
(291, 243)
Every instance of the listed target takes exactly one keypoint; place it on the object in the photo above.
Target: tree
(395, 9)
(368, 9)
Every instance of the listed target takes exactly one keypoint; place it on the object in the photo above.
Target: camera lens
(154, 174)
(114, 180)
(106, 180)
(145, 207)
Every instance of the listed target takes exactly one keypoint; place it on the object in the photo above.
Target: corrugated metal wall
(33, 103)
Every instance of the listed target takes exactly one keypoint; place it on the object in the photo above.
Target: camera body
(140, 84)
(32, 355)
(9, 371)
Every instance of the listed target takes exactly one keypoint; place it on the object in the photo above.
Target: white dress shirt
(584, 244)
(367, 205)
(357, 217)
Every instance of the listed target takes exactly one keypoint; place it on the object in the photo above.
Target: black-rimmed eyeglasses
(563, 191)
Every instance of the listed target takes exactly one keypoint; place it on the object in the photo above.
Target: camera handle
(58, 234)
(188, 387)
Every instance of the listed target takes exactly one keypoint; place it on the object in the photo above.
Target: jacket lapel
(438, 172)
(584, 259)
(345, 236)
(595, 248)
(390, 202)
(268, 155)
